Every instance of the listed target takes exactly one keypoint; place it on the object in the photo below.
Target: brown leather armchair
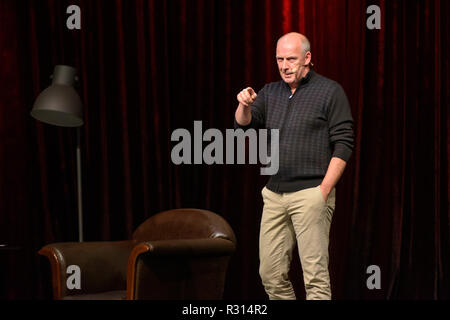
(175, 254)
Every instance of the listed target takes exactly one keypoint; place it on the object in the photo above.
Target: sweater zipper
(286, 116)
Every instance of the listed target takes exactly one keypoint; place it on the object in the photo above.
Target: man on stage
(316, 138)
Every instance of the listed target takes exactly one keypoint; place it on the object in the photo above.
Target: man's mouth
(287, 74)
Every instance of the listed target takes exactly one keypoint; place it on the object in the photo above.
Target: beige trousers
(301, 218)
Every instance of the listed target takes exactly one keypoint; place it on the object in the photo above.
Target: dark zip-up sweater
(315, 124)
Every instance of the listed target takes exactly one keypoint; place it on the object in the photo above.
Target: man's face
(291, 61)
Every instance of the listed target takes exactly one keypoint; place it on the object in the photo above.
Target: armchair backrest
(184, 224)
(183, 254)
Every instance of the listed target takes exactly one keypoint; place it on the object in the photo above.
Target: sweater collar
(306, 78)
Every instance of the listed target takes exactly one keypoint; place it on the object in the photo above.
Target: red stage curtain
(149, 67)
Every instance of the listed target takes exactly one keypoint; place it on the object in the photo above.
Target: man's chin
(289, 80)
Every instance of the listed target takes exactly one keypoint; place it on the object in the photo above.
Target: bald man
(316, 140)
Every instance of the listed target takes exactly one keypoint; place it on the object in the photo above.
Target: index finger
(250, 91)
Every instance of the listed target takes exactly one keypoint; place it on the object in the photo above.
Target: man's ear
(307, 58)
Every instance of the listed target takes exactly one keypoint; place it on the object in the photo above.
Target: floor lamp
(60, 105)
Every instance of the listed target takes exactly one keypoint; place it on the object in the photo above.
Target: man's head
(293, 57)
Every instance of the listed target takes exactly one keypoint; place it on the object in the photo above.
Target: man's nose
(283, 66)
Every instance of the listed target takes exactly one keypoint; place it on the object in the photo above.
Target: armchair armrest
(103, 265)
(178, 269)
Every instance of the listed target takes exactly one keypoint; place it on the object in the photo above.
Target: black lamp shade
(60, 104)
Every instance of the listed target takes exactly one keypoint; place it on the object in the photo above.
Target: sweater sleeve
(340, 125)
(258, 113)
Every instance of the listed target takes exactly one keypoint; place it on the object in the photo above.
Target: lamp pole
(79, 191)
